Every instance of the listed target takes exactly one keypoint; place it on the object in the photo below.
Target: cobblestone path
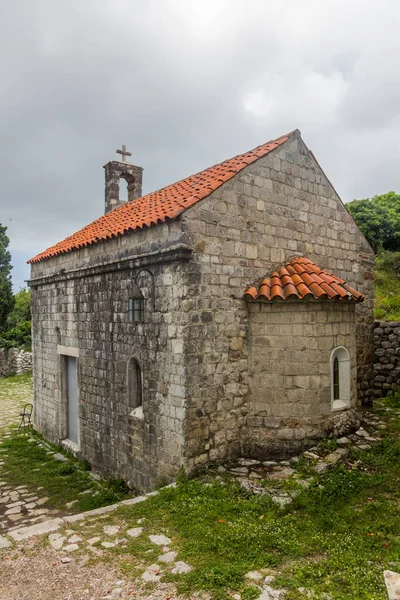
(13, 396)
(33, 570)
(18, 506)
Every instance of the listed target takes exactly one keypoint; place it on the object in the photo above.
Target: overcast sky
(185, 84)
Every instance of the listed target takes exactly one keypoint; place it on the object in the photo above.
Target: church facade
(227, 314)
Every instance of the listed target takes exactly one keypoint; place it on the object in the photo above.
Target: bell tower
(114, 171)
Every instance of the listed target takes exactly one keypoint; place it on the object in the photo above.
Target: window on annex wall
(135, 392)
(340, 378)
(136, 310)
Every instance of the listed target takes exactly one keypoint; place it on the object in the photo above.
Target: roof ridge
(161, 205)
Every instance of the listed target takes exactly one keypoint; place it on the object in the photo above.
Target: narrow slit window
(336, 387)
(135, 398)
(136, 310)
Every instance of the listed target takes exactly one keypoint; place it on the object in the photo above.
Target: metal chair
(26, 416)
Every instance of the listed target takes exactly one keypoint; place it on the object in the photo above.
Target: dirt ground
(32, 572)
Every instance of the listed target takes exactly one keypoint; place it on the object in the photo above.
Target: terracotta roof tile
(300, 278)
(159, 206)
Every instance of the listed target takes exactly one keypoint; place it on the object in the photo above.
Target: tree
(379, 220)
(6, 295)
(22, 309)
(18, 334)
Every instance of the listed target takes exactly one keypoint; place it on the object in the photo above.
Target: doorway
(72, 400)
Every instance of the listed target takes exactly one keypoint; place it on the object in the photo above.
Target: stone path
(13, 396)
(71, 542)
(50, 556)
(32, 572)
(18, 506)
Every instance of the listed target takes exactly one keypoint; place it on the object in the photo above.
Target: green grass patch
(28, 460)
(25, 379)
(387, 286)
(336, 538)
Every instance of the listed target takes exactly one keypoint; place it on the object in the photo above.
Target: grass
(336, 538)
(387, 286)
(28, 460)
(25, 379)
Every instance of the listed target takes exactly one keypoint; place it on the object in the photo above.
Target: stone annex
(229, 314)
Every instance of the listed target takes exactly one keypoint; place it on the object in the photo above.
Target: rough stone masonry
(203, 396)
(15, 361)
(386, 357)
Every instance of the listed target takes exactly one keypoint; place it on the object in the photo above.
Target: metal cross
(124, 152)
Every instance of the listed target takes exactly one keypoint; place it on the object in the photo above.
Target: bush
(18, 332)
(66, 468)
(117, 486)
(393, 398)
(18, 337)
(379, 220)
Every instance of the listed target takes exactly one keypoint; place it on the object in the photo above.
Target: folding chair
(26, 416)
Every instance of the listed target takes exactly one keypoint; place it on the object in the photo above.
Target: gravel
(33, 572)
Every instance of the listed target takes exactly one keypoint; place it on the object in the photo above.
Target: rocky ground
(56, 565)
(46, 555)
(266, 477)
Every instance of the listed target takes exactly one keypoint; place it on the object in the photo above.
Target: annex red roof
(300, 279)
(157, 207)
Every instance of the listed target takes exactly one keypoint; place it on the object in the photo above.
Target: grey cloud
(185, 84)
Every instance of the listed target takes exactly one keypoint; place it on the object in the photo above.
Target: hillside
(387, 286)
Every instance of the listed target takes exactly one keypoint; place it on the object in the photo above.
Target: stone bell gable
(145, 311)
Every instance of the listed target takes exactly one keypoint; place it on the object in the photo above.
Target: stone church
(226, 314)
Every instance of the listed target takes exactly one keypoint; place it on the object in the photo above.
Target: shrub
(66, 468)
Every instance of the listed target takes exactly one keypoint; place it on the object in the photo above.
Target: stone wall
(15, 361)
(281, 206)
(386, 357)
(290, 399)
(194, 345)
(80, 304)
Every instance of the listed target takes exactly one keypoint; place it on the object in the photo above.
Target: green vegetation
(336, 538)
(6, 295)
(18, 332)
(28, 460)
(387, 286)
(15, 310)
(379, 220)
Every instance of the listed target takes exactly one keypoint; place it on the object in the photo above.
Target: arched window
(340, 378)
(336, 385)
(135, 397)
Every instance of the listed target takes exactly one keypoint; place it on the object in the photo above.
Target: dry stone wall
(386, 357)
(15, 361)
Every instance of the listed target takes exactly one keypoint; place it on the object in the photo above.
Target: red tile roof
(157, 207)
(300, 279)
